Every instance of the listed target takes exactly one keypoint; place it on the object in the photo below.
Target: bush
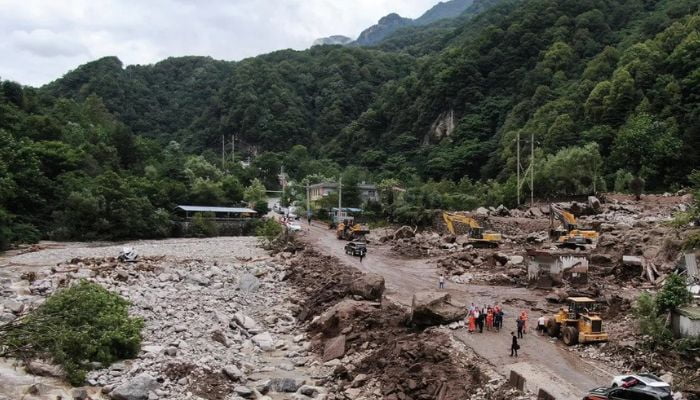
(203, 225)
(650, 322)
(674, 294)
(622, 181)
(268, 230)
(637, 187)
(261, 207)
(81, 324)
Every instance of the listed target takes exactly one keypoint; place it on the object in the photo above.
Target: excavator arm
(566, 218)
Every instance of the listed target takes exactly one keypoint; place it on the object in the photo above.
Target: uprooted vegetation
(77, 325)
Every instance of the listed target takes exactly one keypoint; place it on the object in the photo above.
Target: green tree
(255, 192)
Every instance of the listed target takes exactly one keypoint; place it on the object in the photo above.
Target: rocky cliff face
(387, 25)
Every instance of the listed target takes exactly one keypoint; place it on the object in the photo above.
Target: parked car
(293, 226)
(356, 248)
(641, 380)
(630, 393)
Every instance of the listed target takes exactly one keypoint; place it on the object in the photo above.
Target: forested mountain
(442, 10)
(609, 90)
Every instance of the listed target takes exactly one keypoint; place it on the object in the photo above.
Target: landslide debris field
(225, 319)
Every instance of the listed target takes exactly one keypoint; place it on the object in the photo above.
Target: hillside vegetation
(609, 90)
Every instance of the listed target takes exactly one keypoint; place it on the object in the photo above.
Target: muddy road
(560, 371)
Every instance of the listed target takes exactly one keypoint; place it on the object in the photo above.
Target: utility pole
(517, 166)
(532, 169)
(233, 147)
(223, 152)
(340, 197)
(308, 203)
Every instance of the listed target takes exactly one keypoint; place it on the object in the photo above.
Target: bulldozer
(577, 324)
(569, 235)
(478, 237)
(349, 230)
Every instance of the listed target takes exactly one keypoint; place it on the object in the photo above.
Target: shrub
(80, 324)
(268, 230)
(674, 294)
(622, 181)
(650, 322)
(203, 225)
(637, 187)
(261, 207)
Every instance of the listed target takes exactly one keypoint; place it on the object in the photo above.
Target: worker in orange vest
(523, 316)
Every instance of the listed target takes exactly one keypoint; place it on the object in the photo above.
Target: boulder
(369, 286)
(341, 315)
(481, 211)
(501, 258)
(601, 259)
(249, 283)
(516, 260)
(246, 322)
(594, 203)
(243, 391)
(264, 341)
(285, 385)
(13, 305)
(136, 388)
(502, 211)
(334, 348)
(434, 308)
(233, 372)
(40, 368)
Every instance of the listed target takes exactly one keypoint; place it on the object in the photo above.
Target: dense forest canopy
(609, 91)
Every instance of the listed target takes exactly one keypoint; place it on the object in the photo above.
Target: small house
(685, 321)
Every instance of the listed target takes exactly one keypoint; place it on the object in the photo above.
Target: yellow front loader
(577, 324)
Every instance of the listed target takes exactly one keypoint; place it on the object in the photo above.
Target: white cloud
(40, 40)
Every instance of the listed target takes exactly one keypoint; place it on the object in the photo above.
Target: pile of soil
(321, 280)
(383, 353)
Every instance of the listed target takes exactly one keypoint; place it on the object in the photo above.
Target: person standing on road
(362, 255)
(514, 347)
(441, 282)
(480, 321)
(498, 319)
(472, 322)
(541, 324)
(523, 316)
(489, 319)
(520, 323)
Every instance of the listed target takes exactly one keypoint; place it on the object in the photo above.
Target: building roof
(347, 209)
(334, 185)
(216, 209)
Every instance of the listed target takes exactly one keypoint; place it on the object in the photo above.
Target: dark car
(356, 248)
(630, 393)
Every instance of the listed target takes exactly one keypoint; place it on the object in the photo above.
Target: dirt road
(561, 371)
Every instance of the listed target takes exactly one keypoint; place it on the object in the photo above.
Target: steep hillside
(442, 10)
(569, 72)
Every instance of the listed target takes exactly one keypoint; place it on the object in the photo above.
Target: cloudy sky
(40, 40)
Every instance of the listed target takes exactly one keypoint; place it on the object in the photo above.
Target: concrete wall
(684, 326)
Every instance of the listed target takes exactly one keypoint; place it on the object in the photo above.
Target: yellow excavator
(478, 237)
(349, 230)
(580, 323)
(569, 235)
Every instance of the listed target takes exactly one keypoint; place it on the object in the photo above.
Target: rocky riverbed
(218, 319)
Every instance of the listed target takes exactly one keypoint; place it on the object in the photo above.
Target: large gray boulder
(434, 308)
(369, 286)
(136, 388)
(334, 348)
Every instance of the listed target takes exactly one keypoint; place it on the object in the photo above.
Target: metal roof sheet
(217, 209)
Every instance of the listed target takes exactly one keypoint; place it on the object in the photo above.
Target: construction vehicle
(478, 237)
(580, 323)
(569, 235)
(349, 230)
